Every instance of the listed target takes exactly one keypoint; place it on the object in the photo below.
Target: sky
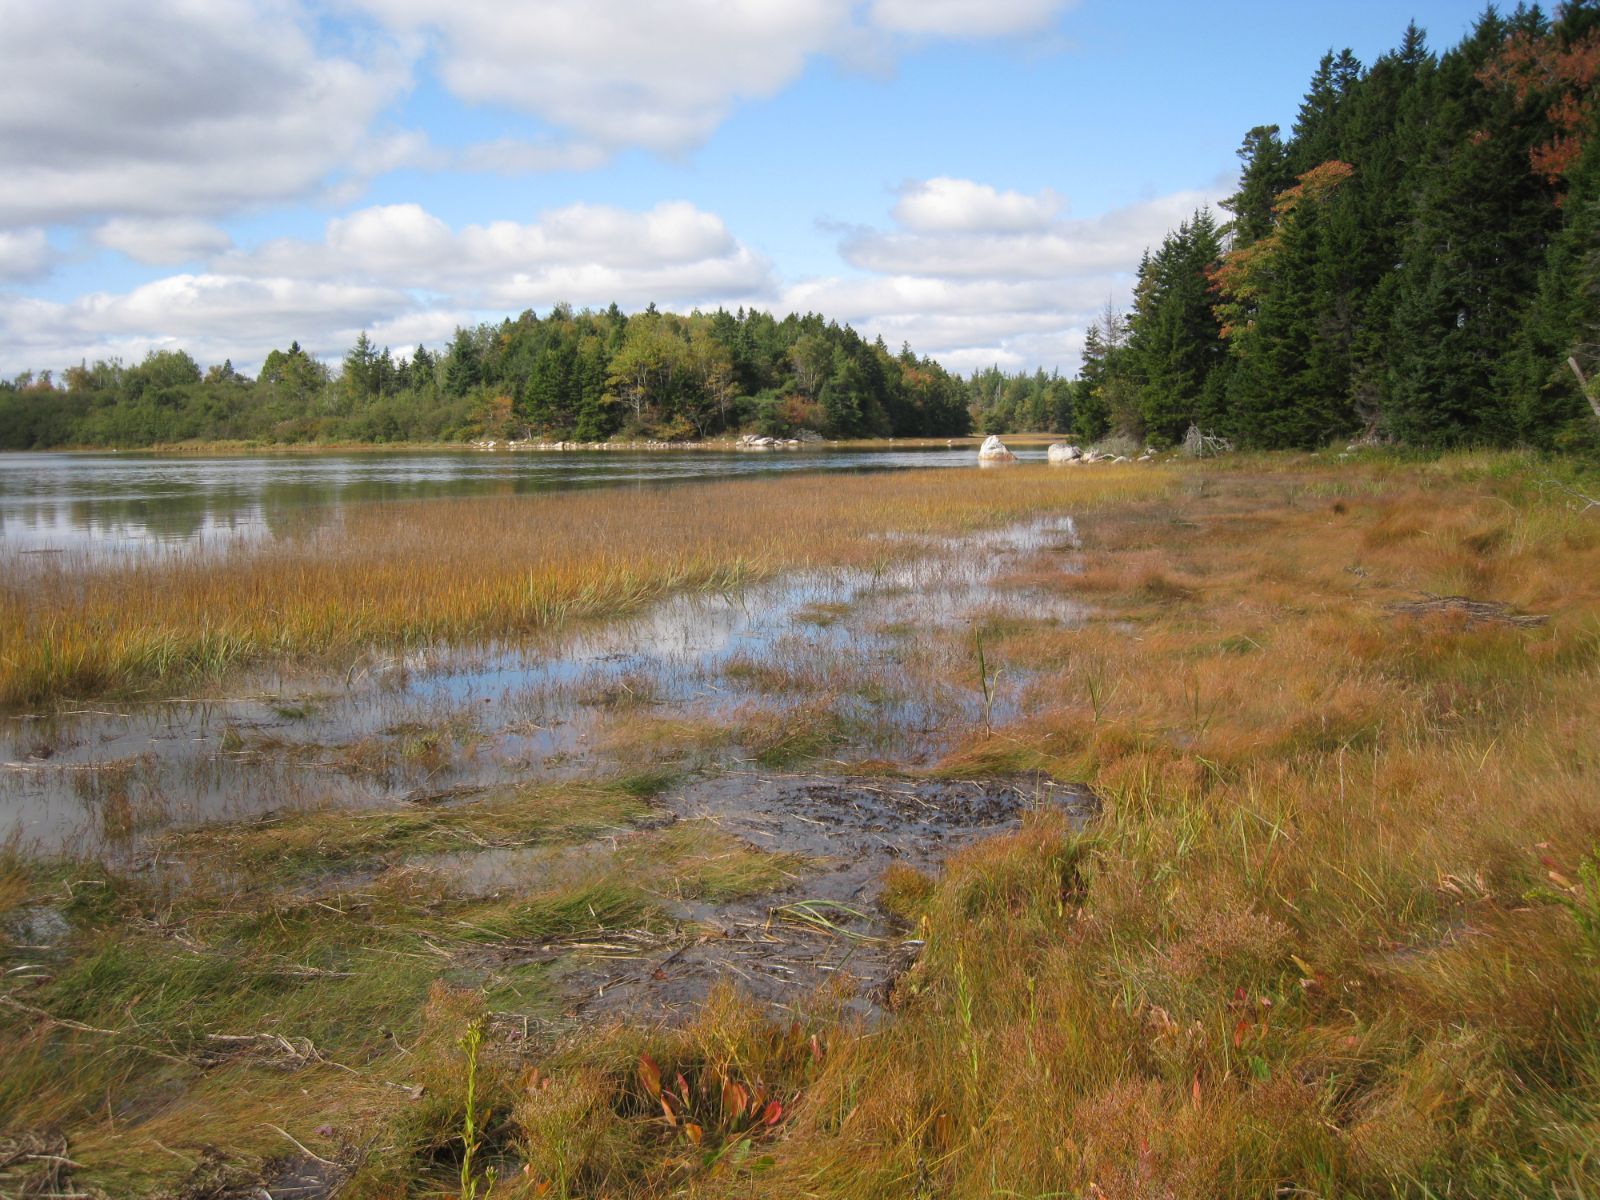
(975, 177)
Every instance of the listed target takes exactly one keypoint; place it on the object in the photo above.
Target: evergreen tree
(1266, 173)
(1471, 263)
(1549, 406)
(1176, 342)
(463, 367)
(1319, 126)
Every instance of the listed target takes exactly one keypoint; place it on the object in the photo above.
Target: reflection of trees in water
(34, 516)
(296, 498)
(296, 510)
(378, 488)
(174, 514)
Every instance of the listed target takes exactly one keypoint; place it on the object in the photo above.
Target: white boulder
(994, 450)
(1063, 452)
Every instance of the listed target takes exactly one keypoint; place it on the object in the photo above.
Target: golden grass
(410, 574)
(1334, 934)
(1299, 955)
(1308, 951)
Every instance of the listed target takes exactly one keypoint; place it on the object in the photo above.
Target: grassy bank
(1336, 933)
(409, 574)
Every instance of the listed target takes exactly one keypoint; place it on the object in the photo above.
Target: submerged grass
(293, 843)
(413, 574)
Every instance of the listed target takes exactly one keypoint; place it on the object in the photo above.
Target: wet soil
(828, 929)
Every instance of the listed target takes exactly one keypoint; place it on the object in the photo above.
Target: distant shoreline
(714, 445)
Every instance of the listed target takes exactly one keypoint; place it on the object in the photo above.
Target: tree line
(1417, 261)
(584, 376)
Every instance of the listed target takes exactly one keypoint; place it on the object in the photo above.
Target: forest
(584, 376)
(1417, 262)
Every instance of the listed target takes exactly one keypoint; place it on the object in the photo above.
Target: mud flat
(829, 927)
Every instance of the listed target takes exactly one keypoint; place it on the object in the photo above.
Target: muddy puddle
(103, 778)
(824, 930)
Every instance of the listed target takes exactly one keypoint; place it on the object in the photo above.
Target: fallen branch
(1583, 498)
(1475, 610)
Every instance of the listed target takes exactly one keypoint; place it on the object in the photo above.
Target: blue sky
(977, 177)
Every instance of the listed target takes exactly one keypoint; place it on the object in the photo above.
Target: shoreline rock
(1063, 452)
(993, 451)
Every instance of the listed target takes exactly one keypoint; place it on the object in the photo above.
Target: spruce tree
(1548, 405)
(1266, 173)
(1176, 343)
(1471, 263)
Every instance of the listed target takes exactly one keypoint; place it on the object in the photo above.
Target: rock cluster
(1063, 453)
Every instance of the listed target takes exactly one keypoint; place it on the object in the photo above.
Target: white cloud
(966, 18)
(945, 205)
(975, 275)
(211, 316)
(1031, 250)
(174, 108)
(159, 109)
(583, 253)
(24, 255)
(663, 74)
(426, 327)
(163, 241)
(402, 274)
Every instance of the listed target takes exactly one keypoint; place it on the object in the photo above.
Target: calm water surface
(110, 504)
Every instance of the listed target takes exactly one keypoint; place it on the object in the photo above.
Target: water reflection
(873, 643)
(108, 504)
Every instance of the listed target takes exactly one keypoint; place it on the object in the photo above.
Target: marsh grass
(413, 575)
(1332, 935)
(274, 1000)
(293, 843)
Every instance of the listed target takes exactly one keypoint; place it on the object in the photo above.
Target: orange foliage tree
(1244, 275)
(1544, 67)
